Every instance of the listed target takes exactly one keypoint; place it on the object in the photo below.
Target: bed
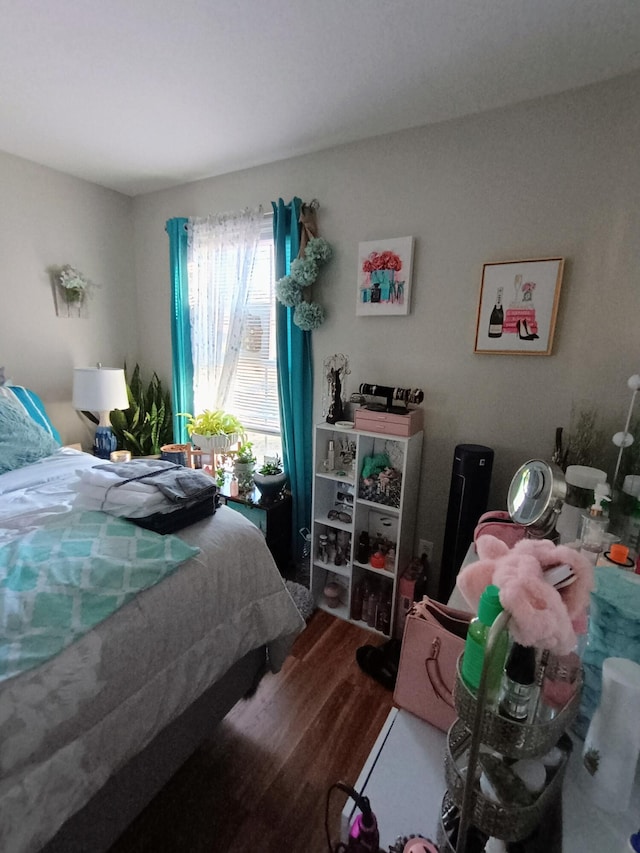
(88, 736)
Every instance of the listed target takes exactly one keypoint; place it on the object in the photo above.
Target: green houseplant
(214, 430)
(270, 478)
(244, 454)
(272, 467)
(148, 422)
(243, 464)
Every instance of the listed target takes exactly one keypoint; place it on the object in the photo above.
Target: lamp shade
(99, 389)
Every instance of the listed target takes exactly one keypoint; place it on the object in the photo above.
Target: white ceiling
(139, 95)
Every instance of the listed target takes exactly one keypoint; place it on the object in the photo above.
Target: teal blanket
(60, 580)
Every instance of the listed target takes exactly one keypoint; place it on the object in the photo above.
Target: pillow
(32, 405)
(22, 441)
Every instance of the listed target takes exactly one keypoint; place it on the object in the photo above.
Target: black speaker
(468, 496)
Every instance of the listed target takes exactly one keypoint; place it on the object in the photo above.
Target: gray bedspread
(69, 724)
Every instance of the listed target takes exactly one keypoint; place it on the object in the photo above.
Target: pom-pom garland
(304, 271)
(308, 315)
(288, 292)
(318, 250)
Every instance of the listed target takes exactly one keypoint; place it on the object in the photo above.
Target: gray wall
(554, 177)
(50, 219)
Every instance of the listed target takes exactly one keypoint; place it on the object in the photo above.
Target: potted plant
(214, 431)
(147, 424)
(243, 464)
(270, 478)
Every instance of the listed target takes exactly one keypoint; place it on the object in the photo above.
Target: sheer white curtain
(221, 252)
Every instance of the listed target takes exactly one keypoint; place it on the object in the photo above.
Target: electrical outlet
(426, 547)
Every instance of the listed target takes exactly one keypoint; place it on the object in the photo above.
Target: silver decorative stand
(477, 725)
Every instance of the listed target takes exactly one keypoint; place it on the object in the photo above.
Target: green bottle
(473, 658)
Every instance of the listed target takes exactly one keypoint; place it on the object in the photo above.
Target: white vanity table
(404, 775)
(404, 780)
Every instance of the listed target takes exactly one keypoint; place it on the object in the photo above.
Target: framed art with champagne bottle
(518, 306)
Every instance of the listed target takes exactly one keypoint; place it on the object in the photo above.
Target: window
(250, 390)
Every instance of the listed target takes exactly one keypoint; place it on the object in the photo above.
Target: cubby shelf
(340, 492)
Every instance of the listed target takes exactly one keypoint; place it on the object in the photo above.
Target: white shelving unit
(392, 515)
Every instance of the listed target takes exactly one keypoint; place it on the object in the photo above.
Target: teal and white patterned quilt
(60, 580)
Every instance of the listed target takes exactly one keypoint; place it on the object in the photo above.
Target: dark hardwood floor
(260, 782)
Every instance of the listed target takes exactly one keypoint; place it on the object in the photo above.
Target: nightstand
(273, 518)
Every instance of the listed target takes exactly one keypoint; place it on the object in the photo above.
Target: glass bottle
(383, 616)
(374, 600)
(323, 553)
(518, 683)
(559, 682)
(366, 590)
(356, 601)
(331, 546)
(331, 456)
(372, 604)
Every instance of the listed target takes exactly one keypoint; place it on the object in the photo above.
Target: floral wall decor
(294, 290)
(70, 291)
(384, 277)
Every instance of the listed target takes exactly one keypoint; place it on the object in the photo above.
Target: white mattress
(67, 725)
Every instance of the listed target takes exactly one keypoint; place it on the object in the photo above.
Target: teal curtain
(182, 359)
(295, 376)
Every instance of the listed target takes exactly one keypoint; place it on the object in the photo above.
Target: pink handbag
(499, 524)
(433, 640)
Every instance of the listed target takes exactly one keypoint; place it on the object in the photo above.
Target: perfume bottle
(331, 456)
(518, 683)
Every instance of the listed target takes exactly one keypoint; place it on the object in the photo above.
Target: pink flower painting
(384, 274)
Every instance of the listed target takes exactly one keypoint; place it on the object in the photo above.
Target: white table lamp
(100, 389)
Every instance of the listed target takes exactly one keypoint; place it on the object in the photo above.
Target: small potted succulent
(243, 464)
(214, 431)
(270, 478)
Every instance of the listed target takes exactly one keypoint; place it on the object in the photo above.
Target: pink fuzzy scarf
(540, 614)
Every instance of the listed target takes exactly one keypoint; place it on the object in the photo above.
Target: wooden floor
(260, 783)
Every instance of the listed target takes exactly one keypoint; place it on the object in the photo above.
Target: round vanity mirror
(536, 495)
